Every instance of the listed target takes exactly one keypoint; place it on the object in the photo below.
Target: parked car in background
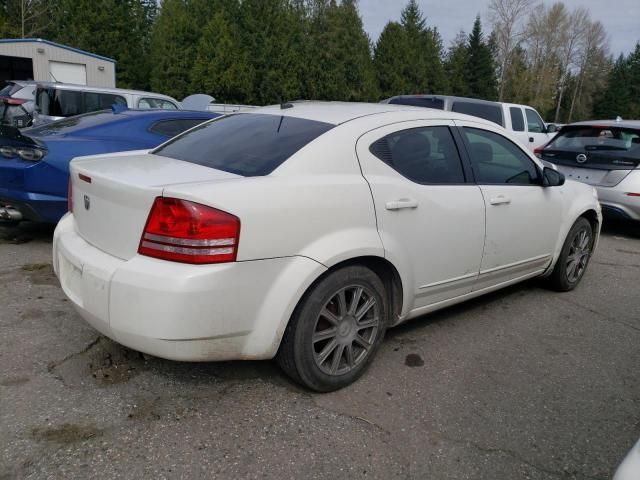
(304, 231)
(629, 468)
(34, 163)
(59, 100)
(17, 103)
(605, 154)
(523, 121)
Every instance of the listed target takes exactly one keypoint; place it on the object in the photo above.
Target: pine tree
(408, 56)
(622, 94)
(480, 69)
(113, 28)
(391, 55)
(340, 55)
(456, 64)
(222, 66)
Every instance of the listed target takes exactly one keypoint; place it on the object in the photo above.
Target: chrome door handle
(400, 204)
(499, 200)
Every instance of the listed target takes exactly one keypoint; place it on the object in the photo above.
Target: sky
(621, 18)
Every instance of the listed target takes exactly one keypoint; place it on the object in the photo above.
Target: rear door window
(534, 122)
(426, 155)
(493, 113)
(517, 119)
(244, 144)
(497, 160)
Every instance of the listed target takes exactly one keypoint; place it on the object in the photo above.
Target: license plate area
(584, 175)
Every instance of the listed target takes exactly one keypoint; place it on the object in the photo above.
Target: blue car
(34, 163)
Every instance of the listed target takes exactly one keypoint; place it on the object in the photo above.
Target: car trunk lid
(113, 194)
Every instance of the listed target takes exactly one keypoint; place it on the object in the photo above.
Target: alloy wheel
(579, 254)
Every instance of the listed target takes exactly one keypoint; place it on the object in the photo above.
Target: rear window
(493, 113)
(427, 102)
(171, 128)
(9, 89)
(244, 144)
(593, 139)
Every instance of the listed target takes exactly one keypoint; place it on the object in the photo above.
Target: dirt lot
(523, 383)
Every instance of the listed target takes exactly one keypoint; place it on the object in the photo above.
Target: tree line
(266, 51)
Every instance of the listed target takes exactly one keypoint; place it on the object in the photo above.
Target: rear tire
(335, 330)
(574, 257)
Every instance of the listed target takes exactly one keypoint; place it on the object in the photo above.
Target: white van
(59, 100)
(523, 121)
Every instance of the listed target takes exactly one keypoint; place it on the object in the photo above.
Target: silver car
(605, 154)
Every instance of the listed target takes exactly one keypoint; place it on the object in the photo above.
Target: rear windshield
(493, 113)
(66, 103)
(244, 144)
(427, 102)
(594, 138)
(9, 89)
(79, 122)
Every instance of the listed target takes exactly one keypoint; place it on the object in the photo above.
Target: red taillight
(188, 232)
(633, 194)
(538, 151)
(70, 196)
(13, 101)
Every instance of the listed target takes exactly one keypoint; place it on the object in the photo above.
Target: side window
(171, 128)
(428, 102)
(497, 160)
(535, 123)
(517, 120)
(107, 100)
(70, 103)
(426, 155)
(155, 103)
(488, 111)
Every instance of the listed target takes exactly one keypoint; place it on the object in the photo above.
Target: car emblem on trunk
(581, 158)
(87, 202)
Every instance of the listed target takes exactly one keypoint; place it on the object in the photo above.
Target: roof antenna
(284, 104)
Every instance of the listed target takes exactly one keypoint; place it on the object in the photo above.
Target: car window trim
(467, 147)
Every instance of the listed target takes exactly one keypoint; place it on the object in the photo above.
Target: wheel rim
(578, 257)
(345, 330)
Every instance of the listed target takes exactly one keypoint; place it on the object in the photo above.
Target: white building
(42, 60)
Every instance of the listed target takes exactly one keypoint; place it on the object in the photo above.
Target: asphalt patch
(413, 360)
(66, 433)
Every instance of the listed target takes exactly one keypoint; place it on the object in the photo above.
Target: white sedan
(304, 231)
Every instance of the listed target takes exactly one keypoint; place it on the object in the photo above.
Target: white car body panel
(323, 206)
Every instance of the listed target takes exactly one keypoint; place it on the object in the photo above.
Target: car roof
(341, 112)
(73, 86)
(605, 123)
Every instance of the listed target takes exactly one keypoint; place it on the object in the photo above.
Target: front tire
(574, 257)
(335, 330)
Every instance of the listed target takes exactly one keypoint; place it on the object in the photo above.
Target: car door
(535, 128)
(522, 217)
(430, 218)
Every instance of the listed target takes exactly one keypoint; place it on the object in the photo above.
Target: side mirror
(552, 128)
(551, 177)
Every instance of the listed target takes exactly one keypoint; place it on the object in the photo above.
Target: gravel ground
(521, 384)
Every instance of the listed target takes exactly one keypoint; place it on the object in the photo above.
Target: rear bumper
(37, 207)
(182, 312)
(616, 201)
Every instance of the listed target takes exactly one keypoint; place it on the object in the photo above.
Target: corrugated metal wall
(95, 76)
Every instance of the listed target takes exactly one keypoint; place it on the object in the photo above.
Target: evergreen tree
(173, 42)
(113, 28)
(408, 56)
(480, 70)
(390, 59)
(222, 66)
(340, 55)
(622, 94)
(456, 64)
